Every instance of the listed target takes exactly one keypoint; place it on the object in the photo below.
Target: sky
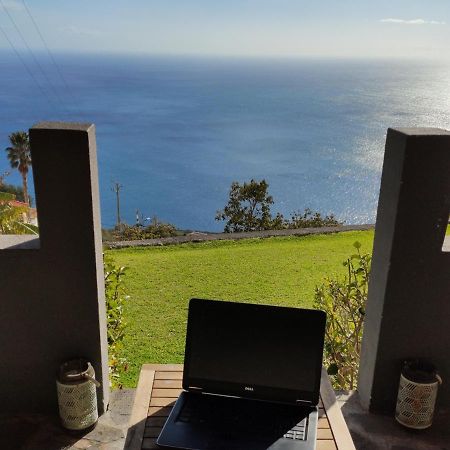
(286, 28)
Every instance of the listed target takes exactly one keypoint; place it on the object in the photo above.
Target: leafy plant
(11, 219)
(115, 300)
(158, 229)
(310, 219)
(344, 302)
(155, 229)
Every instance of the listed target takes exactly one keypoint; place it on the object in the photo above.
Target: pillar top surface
(424, 131)
(73, 126)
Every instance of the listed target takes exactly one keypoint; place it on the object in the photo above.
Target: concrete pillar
(52, 304)
(408, 308)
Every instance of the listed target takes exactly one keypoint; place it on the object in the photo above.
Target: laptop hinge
(195, 388)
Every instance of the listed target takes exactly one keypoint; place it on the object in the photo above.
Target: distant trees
(248, 209)
(16, 191)
(20, 158)
(2, 179)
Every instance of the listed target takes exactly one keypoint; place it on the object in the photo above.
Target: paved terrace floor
(39, 432)
(369, 432)
(380, 432)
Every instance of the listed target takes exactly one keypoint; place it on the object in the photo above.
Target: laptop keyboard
(247, 416)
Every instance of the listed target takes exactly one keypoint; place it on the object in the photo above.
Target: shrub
(12, 220)
(155, 230)
(344, 302)
(159, 230)
(115, 300)
(310, 219)
(128, 233)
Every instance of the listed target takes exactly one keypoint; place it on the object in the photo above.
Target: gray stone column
(52, 303)
(408, 309)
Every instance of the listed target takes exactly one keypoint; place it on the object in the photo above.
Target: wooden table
(160, 384)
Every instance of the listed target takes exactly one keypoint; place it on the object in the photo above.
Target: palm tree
(20, 158)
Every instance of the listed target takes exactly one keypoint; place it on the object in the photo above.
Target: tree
(20, 158)
(248, 207)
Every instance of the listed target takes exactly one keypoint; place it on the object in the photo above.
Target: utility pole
(116, 188)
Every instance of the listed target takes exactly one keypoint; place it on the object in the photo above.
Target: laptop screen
(257, 351)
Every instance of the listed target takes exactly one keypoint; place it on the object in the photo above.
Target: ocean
(176, 131)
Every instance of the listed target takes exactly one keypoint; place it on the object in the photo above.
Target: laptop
(251, 378)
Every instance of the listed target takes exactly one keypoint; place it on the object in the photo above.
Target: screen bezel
(273, 394)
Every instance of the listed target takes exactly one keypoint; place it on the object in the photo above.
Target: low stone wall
(204, 237)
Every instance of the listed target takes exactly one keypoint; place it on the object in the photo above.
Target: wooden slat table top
(160, 385)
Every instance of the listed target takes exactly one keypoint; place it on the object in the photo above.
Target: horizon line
(199, 55)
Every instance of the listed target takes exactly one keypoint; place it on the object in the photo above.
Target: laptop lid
(255, 351)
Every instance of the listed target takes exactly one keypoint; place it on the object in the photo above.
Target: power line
(32, 54)
(47, 48)
(27, 68)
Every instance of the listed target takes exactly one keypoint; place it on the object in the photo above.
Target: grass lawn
(161, 280)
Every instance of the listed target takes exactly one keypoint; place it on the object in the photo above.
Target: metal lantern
(417, 393)
(77, 395)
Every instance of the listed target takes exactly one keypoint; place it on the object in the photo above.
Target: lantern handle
(85, 375)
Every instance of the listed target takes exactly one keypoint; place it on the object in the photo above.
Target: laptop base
(206, 422)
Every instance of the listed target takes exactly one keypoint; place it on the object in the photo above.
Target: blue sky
(364, 28)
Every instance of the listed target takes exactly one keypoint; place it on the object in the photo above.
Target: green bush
(155, 230)
(160, 230)
(6, 196)
(12, 220)
(344, 302)
(115, 299)
(128, 233)
(310, 219)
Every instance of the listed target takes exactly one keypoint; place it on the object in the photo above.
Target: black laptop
(251, 378)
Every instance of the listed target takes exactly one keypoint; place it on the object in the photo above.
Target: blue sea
(176, 131)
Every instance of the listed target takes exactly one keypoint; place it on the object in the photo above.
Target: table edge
(339, 428)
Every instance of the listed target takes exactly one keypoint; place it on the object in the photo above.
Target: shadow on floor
(42, 432)
(382, 432)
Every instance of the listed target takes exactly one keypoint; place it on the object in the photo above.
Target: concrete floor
(38, 432)
(377, 432)
(369, 432)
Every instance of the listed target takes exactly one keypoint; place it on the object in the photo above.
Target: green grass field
(161, 280)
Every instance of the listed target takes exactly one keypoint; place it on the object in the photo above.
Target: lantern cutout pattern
(77, 395)
(417, 394)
